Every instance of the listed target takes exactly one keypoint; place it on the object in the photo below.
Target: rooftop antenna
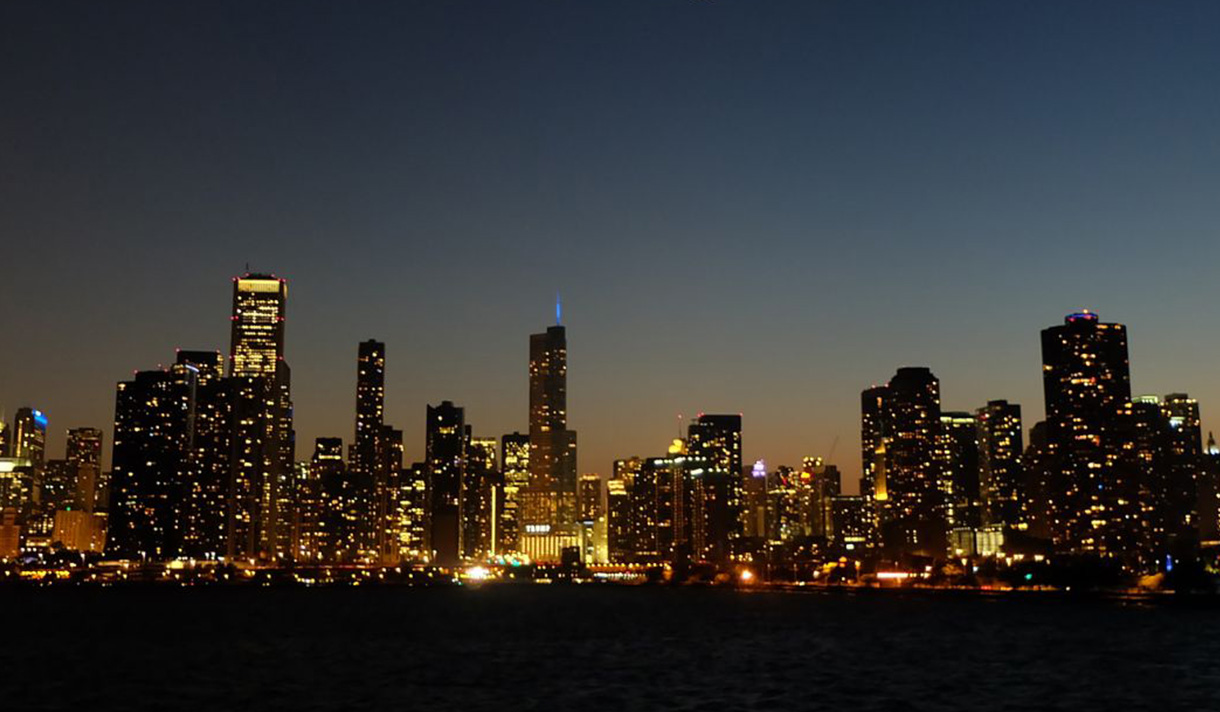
(558, 310)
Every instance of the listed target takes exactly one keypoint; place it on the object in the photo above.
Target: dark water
(599, 648)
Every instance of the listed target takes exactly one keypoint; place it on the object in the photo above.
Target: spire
(558, 310)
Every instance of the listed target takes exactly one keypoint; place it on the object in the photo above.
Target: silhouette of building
(446, 453)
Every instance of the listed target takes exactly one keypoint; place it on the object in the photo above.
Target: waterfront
(585, 647)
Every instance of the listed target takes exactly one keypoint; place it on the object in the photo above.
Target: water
(563, 648)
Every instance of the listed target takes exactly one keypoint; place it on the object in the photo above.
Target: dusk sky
(748, 206)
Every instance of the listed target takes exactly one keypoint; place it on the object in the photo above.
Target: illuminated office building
(515, 474)
(392, 455)
(1000, 472)
(338, 535)
(446, 452)
(901, 432)
(552, 458)
(480, 501)
(205, 521)
(1086, 382)
(413, 525)
(826, 483)
(4, 437)
(714, 441)
(754, 496)
(259, 512)
(30, 436)
(620, 509)
(591, 517)
(853, 523)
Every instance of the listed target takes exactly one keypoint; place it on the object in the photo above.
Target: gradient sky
(749, 206)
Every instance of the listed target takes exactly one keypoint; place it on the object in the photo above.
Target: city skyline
(755, 210)
(850, 466)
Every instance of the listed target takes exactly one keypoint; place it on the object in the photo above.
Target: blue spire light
(558, 310)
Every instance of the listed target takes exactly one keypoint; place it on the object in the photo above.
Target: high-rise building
(263, 454)
(663, 505)
(151, 459)
(85, 463)
(338, 523)
(85, 446)
(413, 526)
(1001, 476)
(957, 453)
(515, 473)
(30, 438)
(480, 500)
(259, 311)
(621, 515)
(900, 428)
(552, 458)
(205, 525)
(591, 517)
(1186, 466)
(446, 452)
(826, 483)
(1086, 382)
(714, 441)
(367, 466)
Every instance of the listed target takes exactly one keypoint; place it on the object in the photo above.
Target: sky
(748, 206)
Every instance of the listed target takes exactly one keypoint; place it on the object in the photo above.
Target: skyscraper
(1086, 382)
(1001, 477)
(552, 459)
(958, 469)
(900, 429)
(479, 498)
(514, 471)
(204, 529)
(151, 460)
(257, 338)
(1186, 465)
(446, 452)
(714, 441)
(30, 437)
(262, 432)
(366, 465)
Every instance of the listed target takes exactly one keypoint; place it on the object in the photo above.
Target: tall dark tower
(552, 458)
(259, 511)
(446, 451)
(365, 460)
(901, 424)
(1087, 383)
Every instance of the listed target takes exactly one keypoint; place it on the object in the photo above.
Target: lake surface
(594, 648)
